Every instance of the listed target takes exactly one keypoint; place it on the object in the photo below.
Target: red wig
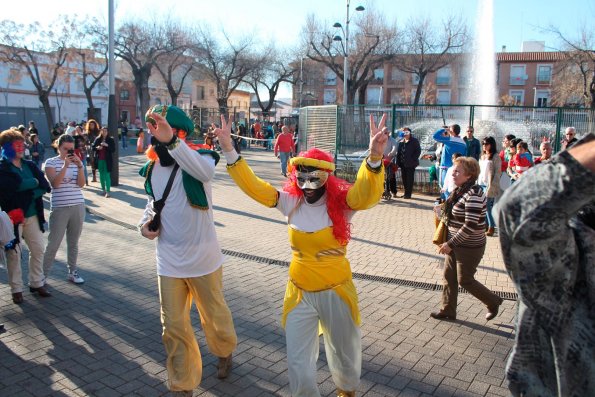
(336, 200)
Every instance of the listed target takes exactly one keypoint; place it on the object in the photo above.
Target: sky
(515, 21)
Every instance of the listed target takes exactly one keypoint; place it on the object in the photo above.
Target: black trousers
(408, 176)
(390, 181)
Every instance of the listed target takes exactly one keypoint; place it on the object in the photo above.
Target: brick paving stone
(109, 342)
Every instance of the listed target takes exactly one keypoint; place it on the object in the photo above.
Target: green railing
(347, 136)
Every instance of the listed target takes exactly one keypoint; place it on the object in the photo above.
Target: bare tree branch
(428, 48)
(40, 52)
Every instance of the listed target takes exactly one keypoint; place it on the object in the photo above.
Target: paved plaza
(103, 338)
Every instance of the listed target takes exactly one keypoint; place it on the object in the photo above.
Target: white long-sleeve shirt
(187, 245)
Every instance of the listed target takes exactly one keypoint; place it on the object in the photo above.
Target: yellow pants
(184, 363)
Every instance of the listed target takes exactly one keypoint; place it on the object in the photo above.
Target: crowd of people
(27, 173)
(320, 294)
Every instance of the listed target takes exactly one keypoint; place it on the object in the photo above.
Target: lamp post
(345, 49)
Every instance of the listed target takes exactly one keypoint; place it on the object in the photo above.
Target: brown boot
(490, 231)
(17, 298)
(224, 367)
(343, 393)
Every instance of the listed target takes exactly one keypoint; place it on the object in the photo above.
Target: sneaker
(75, 278)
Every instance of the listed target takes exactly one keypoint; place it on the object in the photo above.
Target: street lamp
(345, 49)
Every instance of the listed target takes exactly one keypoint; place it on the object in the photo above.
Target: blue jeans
(84, 161)
(284, 158)
(490, 205)
(124, 142)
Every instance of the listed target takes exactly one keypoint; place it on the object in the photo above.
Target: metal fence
(204, 117)
(344, 130)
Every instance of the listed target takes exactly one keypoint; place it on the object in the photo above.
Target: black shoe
(440, 315)
(41, 291)
(493, 311)
(224, 367)
(17, 298)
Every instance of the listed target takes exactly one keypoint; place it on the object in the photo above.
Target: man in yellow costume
(320, 292)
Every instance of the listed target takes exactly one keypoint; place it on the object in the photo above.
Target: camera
(71, 152)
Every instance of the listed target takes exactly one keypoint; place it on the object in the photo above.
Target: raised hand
(224, 135)
(161, 130)
(378, 136)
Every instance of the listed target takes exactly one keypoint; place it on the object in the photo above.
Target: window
(396, 75)
(414, 78)
(79, 83)
(124, 116)
(379, 75)
(443, 76)
(124, 95)
(374, 96)
(544, 74)
(330, 96)
(396, 97)
(443, 97)
(101, 88)
(200, 92)
(518, 96)
(330, 78)
(517, 75)
(14, 77)
(542, 98)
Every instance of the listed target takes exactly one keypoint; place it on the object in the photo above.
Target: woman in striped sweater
(465, 215)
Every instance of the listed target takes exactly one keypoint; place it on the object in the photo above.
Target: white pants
(342, 341)
(31, 233)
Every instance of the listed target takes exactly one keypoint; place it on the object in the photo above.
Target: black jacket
(10, 199)
(111, 147)
(408, 153)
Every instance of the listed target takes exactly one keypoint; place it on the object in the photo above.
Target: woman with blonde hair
(464, 213)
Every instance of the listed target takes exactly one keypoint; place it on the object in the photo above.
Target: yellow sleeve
(252, 185)
(367, 189)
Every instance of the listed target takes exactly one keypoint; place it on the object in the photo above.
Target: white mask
(311, 180)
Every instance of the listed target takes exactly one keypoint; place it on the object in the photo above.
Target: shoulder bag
(158, 205)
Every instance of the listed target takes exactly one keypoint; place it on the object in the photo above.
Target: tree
(91, 39)
(373, 42)
(226, 63)
(428, 48)
(141, 44)
(41, 53)
(270, 71)
(60, 89)
(570, 80)
(580, 61)
(177, 64)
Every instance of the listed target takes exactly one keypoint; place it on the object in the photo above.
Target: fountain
(483, 88)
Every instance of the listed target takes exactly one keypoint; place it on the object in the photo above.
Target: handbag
(158, 205)
(440, 234)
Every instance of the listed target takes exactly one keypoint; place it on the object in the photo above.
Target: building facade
(523, 79)
(20, 99)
